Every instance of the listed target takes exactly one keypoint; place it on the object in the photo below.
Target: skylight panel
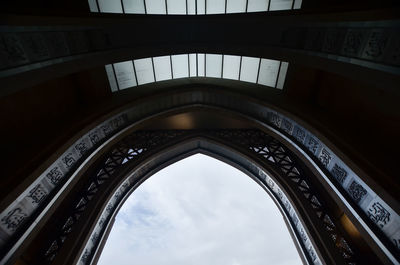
(281, 5)
(125, 74)
(201, 64)
(249, 69)
(180, 65)
(213, 65)
(215, 6)
(110, 6)
(262, 71)
(111, 78)
(297, 4)
(282, 75)
(162, 68)
(156, 7)
(257, 5)
(93, 6)
(236, 6)
(176, 7)
(231, 67)
(134, 6)
(201, 7)
(268, 72)
(144, 71)
(191, 5)
(192, 65)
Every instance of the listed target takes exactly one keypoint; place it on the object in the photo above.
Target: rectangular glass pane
(281, 4)
(282, 75)
(176, 7)
(200, 63)
(111, 78)
(93, 6)
(191, 7)
(192, 65)
(162, 68)
(110, 6)
(257, 5)
(144, 71)
(215, 6)
(236, 6)
(134, 6)
(125, 75)
(231, 67)
(297, 4)
(268, 72)
(180, 66)
(213, 65)
(249, 69)
(201, 7)
(155, 7)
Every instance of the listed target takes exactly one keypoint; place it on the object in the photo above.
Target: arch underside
(107, 134)
(135, 158)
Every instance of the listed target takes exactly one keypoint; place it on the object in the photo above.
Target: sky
(199, 211)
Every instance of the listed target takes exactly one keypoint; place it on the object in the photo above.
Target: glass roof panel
(249, 69)
(110, 6)
(236, 6)
(162, 68)
(176, 7)
(257, 5)
(93, 6)
(215, 6)
(231, 67)
(213, 65)
(265, 72)
(144, 71)
(282, 75)
(192, 65)
(134, 6)
(201, 7)
(111, 78)
(297, 4)
(268, 72)
(180, 66)
(155, 7)
(191, 7)
(200, 63)
(125, 74)
(281, 5)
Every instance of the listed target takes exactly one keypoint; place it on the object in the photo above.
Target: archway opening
(197, 211)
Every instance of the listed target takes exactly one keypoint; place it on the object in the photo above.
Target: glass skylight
(260, 71)
(190, 7)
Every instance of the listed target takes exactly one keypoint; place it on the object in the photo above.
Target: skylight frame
(190, 7)
(255, 70)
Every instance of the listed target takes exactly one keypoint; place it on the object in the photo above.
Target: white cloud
(199, 211)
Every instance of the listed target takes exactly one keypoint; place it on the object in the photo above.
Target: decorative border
(379, 212)
(39, 192)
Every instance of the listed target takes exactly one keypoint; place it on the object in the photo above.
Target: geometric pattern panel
(271, 151)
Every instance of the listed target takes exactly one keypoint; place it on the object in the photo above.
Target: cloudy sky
(199, 211)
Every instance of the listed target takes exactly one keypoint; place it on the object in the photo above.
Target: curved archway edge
(268, 117)
(144, 164)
